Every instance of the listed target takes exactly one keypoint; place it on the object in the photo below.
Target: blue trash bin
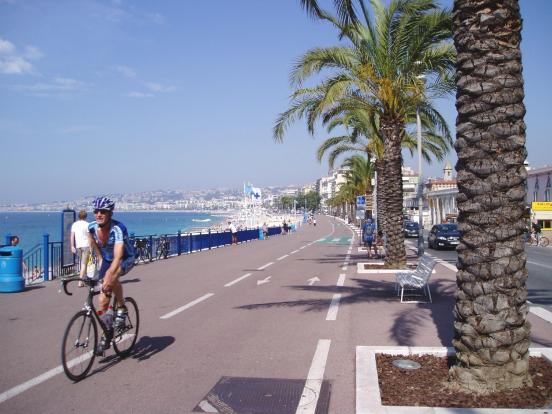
(11, 270)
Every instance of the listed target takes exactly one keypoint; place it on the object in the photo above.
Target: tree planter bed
(382, 388)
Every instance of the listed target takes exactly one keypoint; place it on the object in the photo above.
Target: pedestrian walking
(79, 242)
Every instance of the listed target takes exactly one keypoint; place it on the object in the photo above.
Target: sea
(31, 226)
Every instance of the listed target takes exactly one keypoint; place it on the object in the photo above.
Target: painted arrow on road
(313, 280)
(265, 280)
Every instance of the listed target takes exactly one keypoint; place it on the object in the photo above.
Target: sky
(105, 96)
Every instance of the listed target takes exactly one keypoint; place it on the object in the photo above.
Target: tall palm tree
(380, 71)
(492, 335)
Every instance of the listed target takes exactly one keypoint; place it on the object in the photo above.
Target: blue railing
(43, 261)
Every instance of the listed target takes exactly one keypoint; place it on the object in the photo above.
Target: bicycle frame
(89, 303)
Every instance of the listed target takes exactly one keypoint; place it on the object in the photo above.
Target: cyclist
(536, 230)
(109, 240)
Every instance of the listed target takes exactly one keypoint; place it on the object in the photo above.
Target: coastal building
(327, 187)
(539, 195)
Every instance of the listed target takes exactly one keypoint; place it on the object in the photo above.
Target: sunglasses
(101, 211)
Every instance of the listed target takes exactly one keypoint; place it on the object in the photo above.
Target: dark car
(443, 235)
(411, 229)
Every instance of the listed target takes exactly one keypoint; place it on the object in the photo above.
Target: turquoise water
(31, 226)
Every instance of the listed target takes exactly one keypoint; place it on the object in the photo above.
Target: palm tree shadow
(404, 328)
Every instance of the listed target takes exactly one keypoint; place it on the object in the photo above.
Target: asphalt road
(271, 324)
(269, 327)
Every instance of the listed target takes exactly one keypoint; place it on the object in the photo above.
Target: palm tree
(363, 138)
(492, 335)
(380, 72)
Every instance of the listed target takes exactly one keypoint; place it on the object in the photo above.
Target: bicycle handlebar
(65, 282)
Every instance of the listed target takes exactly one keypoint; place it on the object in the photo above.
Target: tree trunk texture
(393, 132)
(492, 334)
(380, 196)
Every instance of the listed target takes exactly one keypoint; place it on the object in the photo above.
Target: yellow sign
(541, 206)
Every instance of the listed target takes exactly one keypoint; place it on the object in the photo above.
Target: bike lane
(242, 329)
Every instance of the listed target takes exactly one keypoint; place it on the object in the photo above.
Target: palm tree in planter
(381, 66)
(492, 334)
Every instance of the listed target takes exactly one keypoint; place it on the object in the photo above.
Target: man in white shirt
(234, 232)
(79, 241)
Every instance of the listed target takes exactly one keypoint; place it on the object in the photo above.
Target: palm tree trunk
(380, 196)
(492, 334)
(393, 132)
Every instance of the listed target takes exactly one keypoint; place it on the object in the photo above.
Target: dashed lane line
(265, 266)
(295, 251)
(313, 384)
(187, 306)
(233, 282)
(283, 257)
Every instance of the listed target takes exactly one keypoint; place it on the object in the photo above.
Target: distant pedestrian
(79, 242)
(234, 232)
(368, 233)
(14, 241)
(314, 221)
(265, 231)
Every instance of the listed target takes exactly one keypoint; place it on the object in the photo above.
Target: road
(270, 324)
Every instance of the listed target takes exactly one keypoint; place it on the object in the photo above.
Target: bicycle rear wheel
(78, 345)
(125, 337)
(544, 241)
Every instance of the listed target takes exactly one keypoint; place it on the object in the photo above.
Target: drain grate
(235, 395)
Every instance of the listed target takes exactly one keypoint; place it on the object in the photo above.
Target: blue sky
(125, 96)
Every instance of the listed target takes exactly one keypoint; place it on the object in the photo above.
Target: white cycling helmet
(103, 203)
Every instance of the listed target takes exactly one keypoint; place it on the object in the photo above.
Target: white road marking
(18, 389)
(344, 268)
(265, 266)
(283, 257)
(233, 282)
(539, 264)
(336, 240)
(541, 313)
(263, 281)
(206, 407)
(341, 280)
(313, 280)
(307, 404)
(187, 306)
(302, 247)
(295, 251)
(334, 307)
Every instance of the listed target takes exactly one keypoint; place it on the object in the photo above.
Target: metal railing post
(190, 244)
(151, 248)
(209, 239)
(178, 243)
(46, 256)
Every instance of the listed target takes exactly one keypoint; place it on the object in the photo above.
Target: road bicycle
(142, 251)
(163, 248)
(541, 241)
(81, 334)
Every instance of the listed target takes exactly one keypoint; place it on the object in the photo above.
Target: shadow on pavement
(144, 349)
(540, 296)
(135, 280)
(405, 326)
(148, 346)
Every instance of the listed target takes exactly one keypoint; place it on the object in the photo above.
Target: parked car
(443, 235)
(411, 229)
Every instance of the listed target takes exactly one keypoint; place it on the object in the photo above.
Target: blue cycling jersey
(117, 234)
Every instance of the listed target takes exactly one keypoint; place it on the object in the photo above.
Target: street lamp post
(420, 187)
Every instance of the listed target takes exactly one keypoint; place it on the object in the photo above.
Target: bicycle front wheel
(125, 336)
(544, 241)
(78, 345)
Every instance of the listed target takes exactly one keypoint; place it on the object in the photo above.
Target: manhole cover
(235, 395)
(406, 364)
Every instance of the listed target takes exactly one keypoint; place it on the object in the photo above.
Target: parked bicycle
(142, 250)
(533, 240)
(81, 335)
(163, 247)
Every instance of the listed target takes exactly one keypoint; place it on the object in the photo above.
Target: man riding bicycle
(111, 244)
